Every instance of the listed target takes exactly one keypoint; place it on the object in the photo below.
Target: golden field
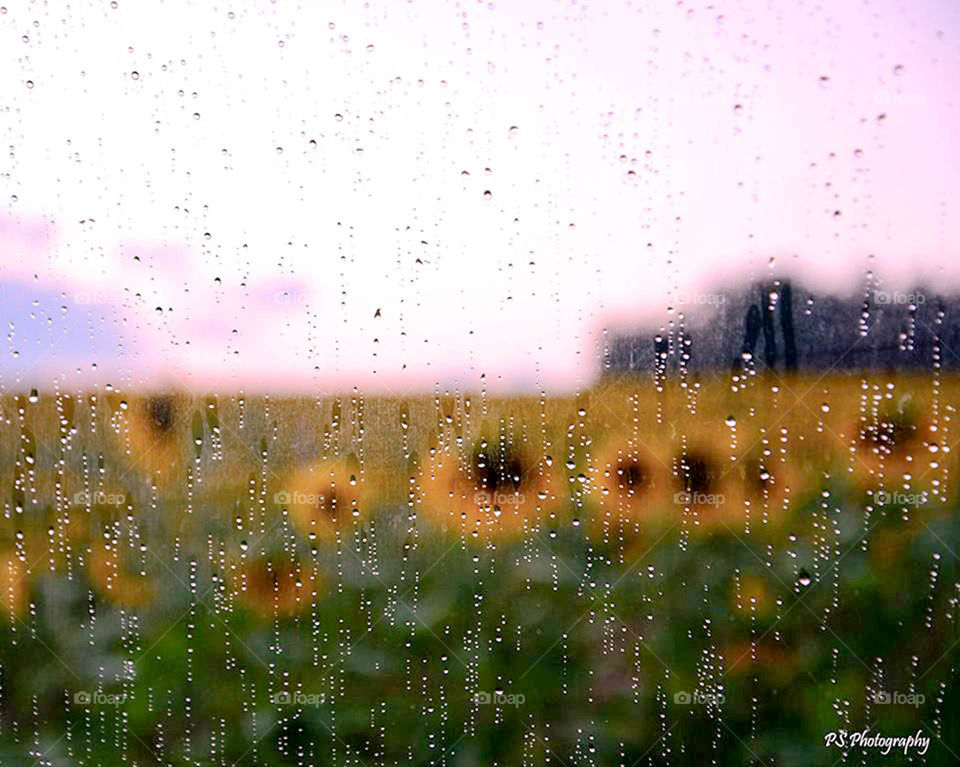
(489, 471)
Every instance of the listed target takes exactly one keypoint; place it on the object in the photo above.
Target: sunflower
(887, 442)
(630, 487)
(766, 486)
(14, 591)
(271, 588)
(491, 493)
(705, 488)
(761, 481)
(327, 499)
(155, 438)
(108, 565)
(899, 453)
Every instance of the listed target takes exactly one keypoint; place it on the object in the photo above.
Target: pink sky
(632, 153)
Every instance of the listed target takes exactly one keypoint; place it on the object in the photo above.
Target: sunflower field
(649, 572)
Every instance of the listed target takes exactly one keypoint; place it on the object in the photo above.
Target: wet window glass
(541, 384)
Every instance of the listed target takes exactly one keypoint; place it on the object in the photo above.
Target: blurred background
(455, 383)
(396, 195)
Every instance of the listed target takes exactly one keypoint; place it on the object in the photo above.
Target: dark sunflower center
(890, 434)
(631, 476)
(260, 580)
(696, 473)
(499, 472)
(265, 575)
(758, 476)
(328, 503)
(160, 413)
(280, 575)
